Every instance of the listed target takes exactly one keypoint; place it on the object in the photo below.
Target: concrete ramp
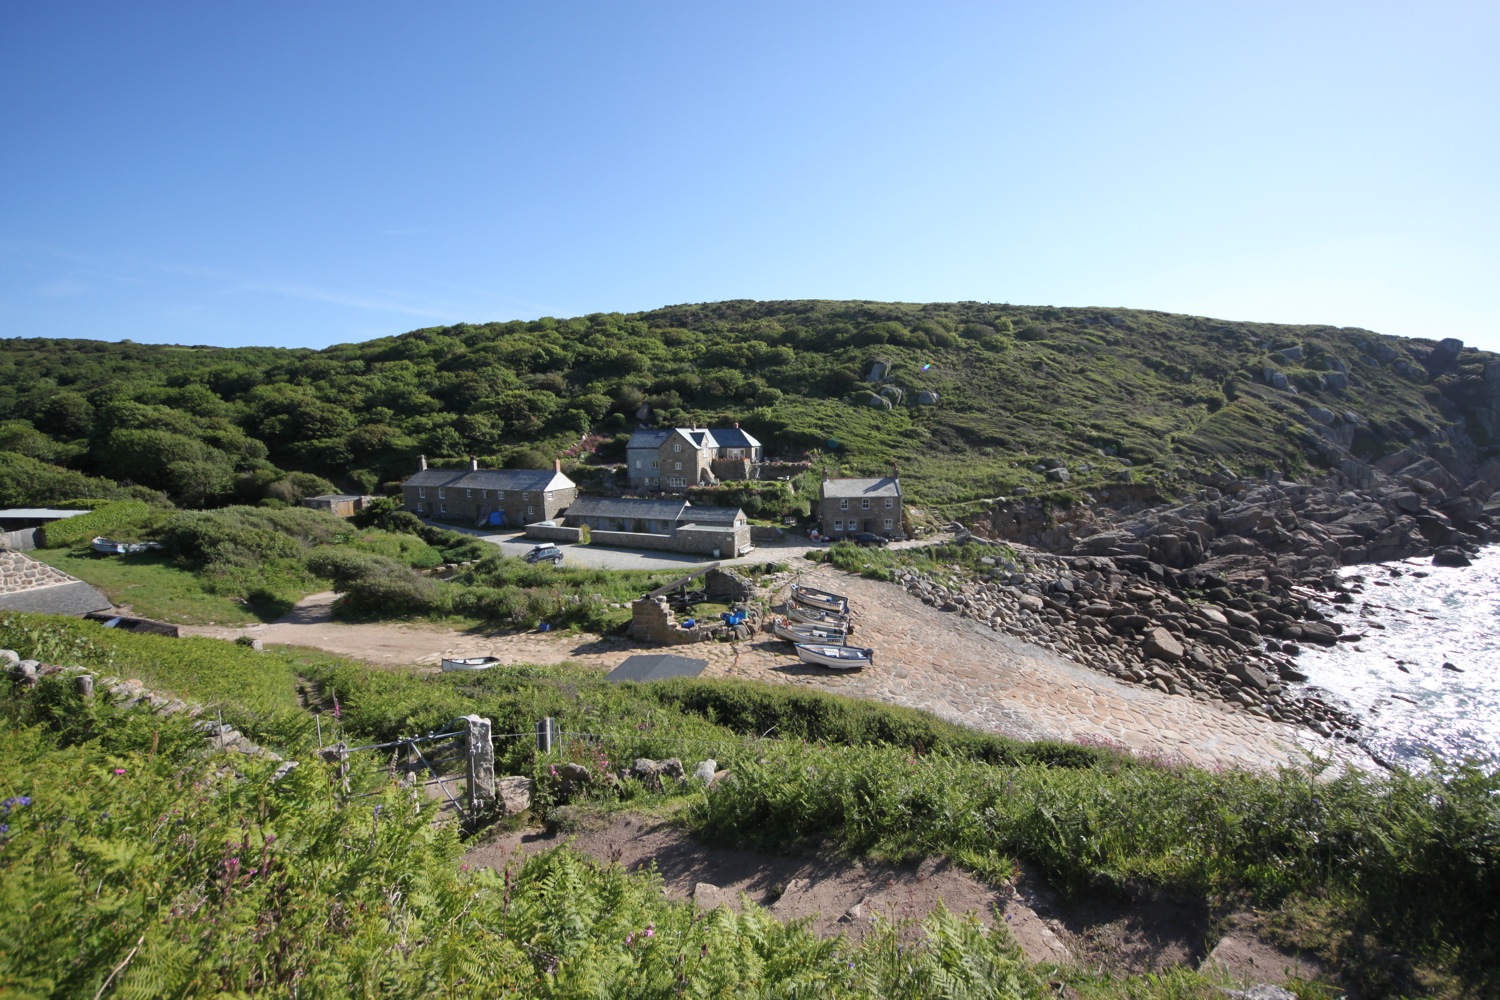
(29, 585)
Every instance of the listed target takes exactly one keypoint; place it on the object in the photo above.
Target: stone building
(672, 525)
(495, 497)
(849, 506)
(678, 457)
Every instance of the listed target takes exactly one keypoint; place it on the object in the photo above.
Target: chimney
(421, 463)
(473, 463)
(557, 466)
(736, 425)
(693, 423)
(895, 470)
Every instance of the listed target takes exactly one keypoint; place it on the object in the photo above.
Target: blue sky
(308, 174)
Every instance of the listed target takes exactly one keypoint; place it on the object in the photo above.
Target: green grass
(154, 586)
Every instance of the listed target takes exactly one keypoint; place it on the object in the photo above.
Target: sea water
(1416, 708)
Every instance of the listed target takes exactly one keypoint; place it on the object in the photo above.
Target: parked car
(869, 538)
(542, 553)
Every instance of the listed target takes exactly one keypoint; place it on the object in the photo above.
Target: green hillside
(1101, 390)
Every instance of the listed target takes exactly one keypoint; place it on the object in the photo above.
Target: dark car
(872, 539)
(542, 553)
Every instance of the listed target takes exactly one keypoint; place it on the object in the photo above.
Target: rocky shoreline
(1212, 598)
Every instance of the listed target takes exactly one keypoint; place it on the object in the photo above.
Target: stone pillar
(481, 762)
(85, 684)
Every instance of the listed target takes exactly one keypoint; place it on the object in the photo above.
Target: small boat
(821, 599)
(812, 616)
(836, 657)
(471, 663)
(829, 635)
(110, 547)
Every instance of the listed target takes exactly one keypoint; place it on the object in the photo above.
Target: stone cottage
(495, 497)
(678, 457)
(849, 506)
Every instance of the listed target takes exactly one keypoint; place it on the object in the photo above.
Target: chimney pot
(422, 463)
(557, 465)
(473, 463)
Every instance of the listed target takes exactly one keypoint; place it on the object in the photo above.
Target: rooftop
(839, 489)
(493, 479)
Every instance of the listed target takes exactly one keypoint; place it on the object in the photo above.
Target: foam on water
(1432, 615)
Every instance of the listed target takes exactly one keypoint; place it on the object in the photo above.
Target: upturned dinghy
(828, 635)
(471, 663)
(812, 616)
(835, 657)
(821, 599)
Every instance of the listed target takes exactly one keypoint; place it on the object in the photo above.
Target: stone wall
(21, 540)
(21, 572)
(652, 621)
(552, 533)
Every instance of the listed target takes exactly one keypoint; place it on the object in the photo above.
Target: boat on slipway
(829, 635)
(110, 547)
(835, 657)
(812, 616)
(823, 600)
(470, 662)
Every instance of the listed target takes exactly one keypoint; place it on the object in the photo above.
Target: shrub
(107, 519)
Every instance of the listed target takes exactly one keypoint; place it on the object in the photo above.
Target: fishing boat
(812, 616)
(821, 599)
(110, 547)
(829, 635)
(471, 663)
(835, 657)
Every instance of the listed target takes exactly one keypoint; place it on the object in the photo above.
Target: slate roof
(733, 437)
(657, 510)
(655, 667)
(37, 513)
(839, 489)
(493, 479)
(699, 438)
(76, 598)
(647, 438)
(712, 515)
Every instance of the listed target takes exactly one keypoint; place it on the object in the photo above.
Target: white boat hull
(471, 663)
(827, 635)
(836, 657)
(821, 599)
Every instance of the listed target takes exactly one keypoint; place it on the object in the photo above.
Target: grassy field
(153, 586)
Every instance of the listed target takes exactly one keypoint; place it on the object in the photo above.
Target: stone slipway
(29, 585)
(966, 672)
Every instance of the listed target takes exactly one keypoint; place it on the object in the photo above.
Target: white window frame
(530, 513)
(838, 524)
(843, 505)
(640, 463)
(889, 503)
(656, 463)
(421, 493)
(442, 493)
(676, 466)
(864, 505)
(887, 524)
(677, 446)
(443, 509)
(468, 494)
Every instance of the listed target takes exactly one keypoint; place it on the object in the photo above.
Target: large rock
(514, 794)
(1162, 645)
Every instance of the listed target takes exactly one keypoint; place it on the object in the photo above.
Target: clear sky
(303, 174)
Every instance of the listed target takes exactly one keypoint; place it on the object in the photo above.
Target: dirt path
(954, 667)
(842, 897)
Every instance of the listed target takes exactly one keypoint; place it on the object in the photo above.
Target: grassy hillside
(1097, 389)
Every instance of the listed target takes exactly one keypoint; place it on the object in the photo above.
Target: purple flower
(119, 770)
(4, 828)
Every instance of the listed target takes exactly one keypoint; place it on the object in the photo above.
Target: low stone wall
(20, 572)
(553, 533)
(21, 540)
(766, 533)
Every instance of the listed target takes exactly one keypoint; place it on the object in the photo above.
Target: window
(443, 509)
(676, 466)
(442, 493)
(638, 463)
(655, 463)
(838, 525)
(530, 513)
(484, 494)
(499, 494)
(421, 493)
(864, 505)
(468, 494)
(889, 503)
(677, 446)
(887, 524)
(549, 496)
(678, 481)
(525, 495)
(843, 505)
